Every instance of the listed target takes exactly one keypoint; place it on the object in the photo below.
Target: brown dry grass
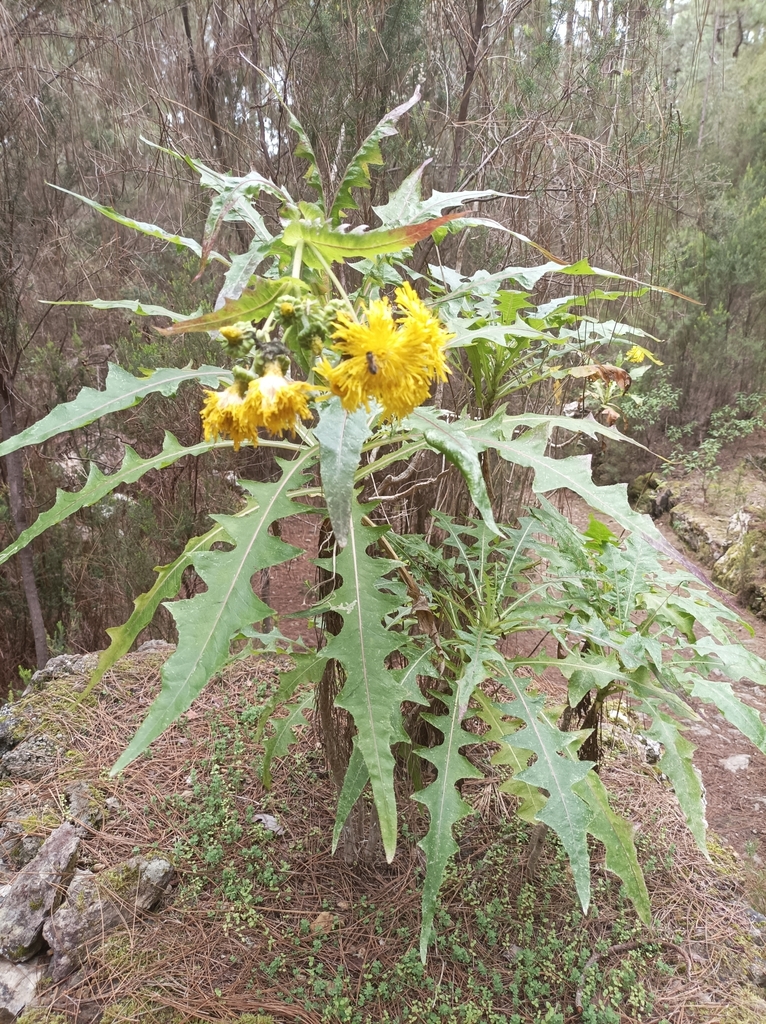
(196, 960)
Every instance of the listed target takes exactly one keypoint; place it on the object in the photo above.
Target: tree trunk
(14, 473)
(703, 113)
(465, 99)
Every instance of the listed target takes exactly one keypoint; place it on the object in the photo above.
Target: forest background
(631, 133)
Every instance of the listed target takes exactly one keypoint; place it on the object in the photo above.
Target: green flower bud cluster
(307, 324)
(256, 347)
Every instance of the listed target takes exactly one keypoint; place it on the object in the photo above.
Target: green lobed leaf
(136, 225)
(406, 204)
(419, 653)
(337, 244)
(207, 622)
(616, 834)
(710, 614)
(590, 671)
(453, 443)
(591, 427)
(307, 671)
(631, 572)
(235, 204)
(744, 717)
(602, 670)
(355, 780)
(738, 663)
(444, 804)
(565, 812)
(98, 485)
(372, 694)
(341, 435)
(676, 762)
(478, 647)
(472, 555)
(284, 735)
(357, 776)
(304, 149)
(368, 155)
(122, 391)
(242, 269)
(219, 182)
(253, 304)
(531, 798)
(573, 473)
(134, 305)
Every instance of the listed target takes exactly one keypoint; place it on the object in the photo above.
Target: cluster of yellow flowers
(393, 358)
(270, 401)
(635, 354)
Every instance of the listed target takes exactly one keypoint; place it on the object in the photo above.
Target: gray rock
(85, 805)
(35, 894)
(756, 972)
(18, 985)
(707, 535)
(756, 926)
(735, 763)
(31, 759)
(97, 905)
(155, 646)
(651, 749)
(17, 847)
(13, 727)
(66, 665)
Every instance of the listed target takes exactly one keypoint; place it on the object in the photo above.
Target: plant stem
(298, 259)
(341, 290)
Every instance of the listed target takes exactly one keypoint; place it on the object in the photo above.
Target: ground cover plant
(262, 920)
(416, 671)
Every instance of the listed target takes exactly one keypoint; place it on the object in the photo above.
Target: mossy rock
(707, 535)
(742, 569)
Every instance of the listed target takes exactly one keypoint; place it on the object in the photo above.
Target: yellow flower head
(270, 401)
(238, 334)
(276, 403)
(393, 358)
(222, 416)
(636, 354)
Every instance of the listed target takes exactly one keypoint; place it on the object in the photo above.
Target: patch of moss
(120, 880)
(40, 822)
(136, 1008)
(747, 1009)
(37, 1015)
(143, 1009)
(722, 855)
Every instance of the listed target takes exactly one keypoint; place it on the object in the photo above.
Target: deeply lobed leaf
(121, 391)
(207, 622)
